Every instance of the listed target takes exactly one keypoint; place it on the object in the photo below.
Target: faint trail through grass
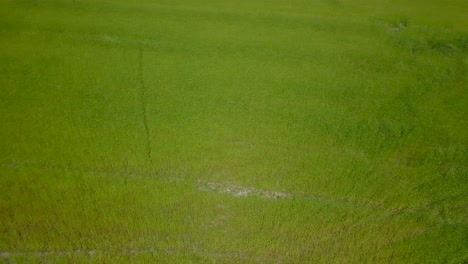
(144, 104)
(243, 192)
(8, 255)
(240, 191)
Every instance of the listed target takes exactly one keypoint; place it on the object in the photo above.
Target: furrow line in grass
(8, 255)
(224, 188)
(236, 190)
(240, 191)
(143, 95)
(82, 169)
(91, 252)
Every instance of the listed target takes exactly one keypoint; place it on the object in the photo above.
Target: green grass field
(222, 131)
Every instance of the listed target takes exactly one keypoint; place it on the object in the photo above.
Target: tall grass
(113, 113)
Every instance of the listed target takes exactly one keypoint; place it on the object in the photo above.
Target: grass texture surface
(321, 131)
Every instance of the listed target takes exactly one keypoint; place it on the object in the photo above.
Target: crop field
(222, 131)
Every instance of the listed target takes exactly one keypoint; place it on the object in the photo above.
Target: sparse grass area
(233, 131)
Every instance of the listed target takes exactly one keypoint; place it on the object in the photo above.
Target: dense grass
(115, 114)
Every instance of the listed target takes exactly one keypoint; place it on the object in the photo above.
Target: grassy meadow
(249, 131)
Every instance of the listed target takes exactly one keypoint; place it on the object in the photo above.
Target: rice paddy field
(222, 131)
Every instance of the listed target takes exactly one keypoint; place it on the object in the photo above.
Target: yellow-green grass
(118, 117)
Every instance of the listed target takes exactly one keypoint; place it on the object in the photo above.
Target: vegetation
(324, 131)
